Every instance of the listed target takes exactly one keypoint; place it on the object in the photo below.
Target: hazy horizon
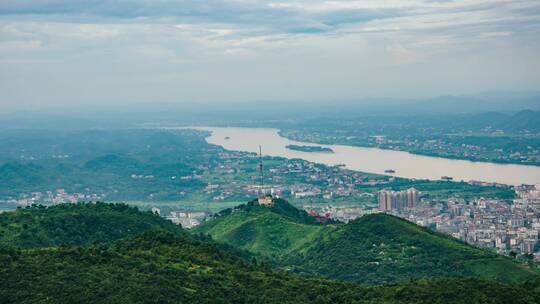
(502, 102)
(78, 53)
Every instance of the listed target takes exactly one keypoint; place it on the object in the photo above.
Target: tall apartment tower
(382, 201)
(385, 200)
(398, 200)
(412, 197)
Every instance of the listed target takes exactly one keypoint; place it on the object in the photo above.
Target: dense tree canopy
(159, 267)
(102, 253)
(77, 224)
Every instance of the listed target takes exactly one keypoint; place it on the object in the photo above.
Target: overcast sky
(78, 52)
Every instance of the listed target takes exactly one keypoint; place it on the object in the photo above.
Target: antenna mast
(261, 170)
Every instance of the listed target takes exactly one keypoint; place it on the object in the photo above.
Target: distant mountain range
(525, 120)
(477, 103)
(374, 249)
(100, 253)
(267, 111)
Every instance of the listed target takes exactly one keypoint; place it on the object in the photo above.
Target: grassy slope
(271, 231)
(260, 231)
(76, 224)
(381, 248)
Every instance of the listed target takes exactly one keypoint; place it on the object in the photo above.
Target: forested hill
(76, 224)
(159, 267)
(380, 248)
(375, 249)
(127, 256)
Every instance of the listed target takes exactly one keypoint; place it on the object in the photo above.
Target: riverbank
(335, 140)
(375, 160)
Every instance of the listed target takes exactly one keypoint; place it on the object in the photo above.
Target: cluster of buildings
(186, 218)
(338, 213)
(398, 200)
(389, 201)
(510, 229)
(291, 179)
(58, 196)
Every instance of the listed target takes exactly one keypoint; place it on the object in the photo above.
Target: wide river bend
(373, 160)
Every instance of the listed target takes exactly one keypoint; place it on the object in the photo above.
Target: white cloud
(20, 45)
(494, 34)
(171, 50)
(237, 52)
(402, 55)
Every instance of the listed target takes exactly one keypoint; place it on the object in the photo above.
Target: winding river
(373, 160)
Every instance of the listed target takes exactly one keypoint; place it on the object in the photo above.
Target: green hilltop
(268, 230)
(375, 249)
(76, 224)
(112, 253)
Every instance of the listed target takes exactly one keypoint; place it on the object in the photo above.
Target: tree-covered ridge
(374, 249)
(76, 224)
(159, 267)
